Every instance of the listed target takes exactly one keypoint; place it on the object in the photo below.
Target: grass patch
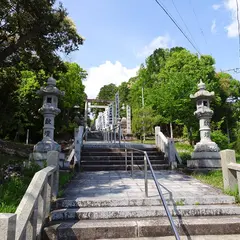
(183, 147)
(12, 191)
(184, 150)
(237, 157)
(147, 141)
(215, 179)
(180, 203)
(64, 178)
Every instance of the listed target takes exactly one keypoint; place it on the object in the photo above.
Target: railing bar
(145, 174)
(163, 201)
(132, 164)
(126, 164)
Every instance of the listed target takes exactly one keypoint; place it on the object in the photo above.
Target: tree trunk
(228, 133)
(190, 135)
(171, 130)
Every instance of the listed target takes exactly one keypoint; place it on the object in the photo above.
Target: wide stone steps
(142, 212)
(106, 158)
(109, 205)
(142, 227)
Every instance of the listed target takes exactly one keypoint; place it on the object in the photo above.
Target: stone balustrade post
(53, 159)
(171, 154)
(8, 226)
(229, 176)
(157, 130)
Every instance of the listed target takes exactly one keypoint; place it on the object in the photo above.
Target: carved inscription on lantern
(207, 123)
(48, 121)
(207, 134)
(47, 133)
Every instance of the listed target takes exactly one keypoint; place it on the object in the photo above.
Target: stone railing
(230, 170)
(34, 208)
(167, 146)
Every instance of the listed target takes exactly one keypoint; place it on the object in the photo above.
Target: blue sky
(120, 34)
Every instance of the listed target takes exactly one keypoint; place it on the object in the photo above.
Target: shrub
(185, 156)
(220, 138)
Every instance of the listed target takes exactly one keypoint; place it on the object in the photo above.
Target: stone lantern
(49, 110)
(206, 152)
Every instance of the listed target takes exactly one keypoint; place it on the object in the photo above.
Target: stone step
(135, 228)
(113, 157)
(118, 153)
(114, 149)
(121, 167)
(117, 162)
(143, 212)
(202, 200)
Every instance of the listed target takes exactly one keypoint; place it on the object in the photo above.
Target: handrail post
(157, 130)
(132, 164)
(126, 159)
(145, 175)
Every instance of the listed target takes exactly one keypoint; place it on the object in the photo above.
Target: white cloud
(105, 74)
(158, 42)
(216, 6)
(213, 27)
(232, 28)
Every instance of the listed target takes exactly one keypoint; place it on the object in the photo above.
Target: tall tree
(37, 29)
(107, 92)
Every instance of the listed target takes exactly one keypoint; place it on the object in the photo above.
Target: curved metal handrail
(146, 163)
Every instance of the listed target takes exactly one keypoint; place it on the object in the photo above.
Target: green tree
(71, 82)
(143, 121)
(36, 29)
(107, 92)
(169, 76)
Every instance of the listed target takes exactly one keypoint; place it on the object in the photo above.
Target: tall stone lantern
(49, 110)
(206, 152)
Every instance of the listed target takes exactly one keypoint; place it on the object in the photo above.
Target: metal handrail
(146, 163)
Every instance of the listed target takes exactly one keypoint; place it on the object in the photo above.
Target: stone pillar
(49, 110)
(206, 152)
(129, 128)
(86, 114)
(229, 176)
(157, 130)
(8, 226)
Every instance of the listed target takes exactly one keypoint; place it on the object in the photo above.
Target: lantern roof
(50, 89)
(202, 93)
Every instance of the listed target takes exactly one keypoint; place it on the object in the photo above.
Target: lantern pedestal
(206, 155)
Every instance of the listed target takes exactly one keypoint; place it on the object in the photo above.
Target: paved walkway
(202, 237)
(119, 184)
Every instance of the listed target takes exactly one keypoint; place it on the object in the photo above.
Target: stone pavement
(119, 184)
(202, 237)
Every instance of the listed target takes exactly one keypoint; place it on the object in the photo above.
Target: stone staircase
(107, 158)
(108, 205)
(94, 136)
